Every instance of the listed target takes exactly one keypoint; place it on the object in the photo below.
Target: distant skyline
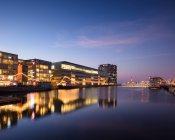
(136, 35)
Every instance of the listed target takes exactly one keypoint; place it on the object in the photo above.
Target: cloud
(117, 34)
(105, 42)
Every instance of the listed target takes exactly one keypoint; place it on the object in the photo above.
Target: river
(90, 113)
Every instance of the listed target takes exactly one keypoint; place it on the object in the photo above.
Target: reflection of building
(105, 103)
(68, 96)
(37, 105)
(155, 82)
(66, 73)
(39, 71)
(8, 68)
(110, 72)
(8, 119)
(69, 101)
(107, 98)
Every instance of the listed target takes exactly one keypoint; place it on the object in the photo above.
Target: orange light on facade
(84, 82)
(19, 73)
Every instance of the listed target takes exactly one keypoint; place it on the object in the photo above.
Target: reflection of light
(73, 106)
(52, 108)
(67, 108)
(90, 101)
(41, 111)
(19, 116)
(37, 108)
(67, 96)
(4, 119)
(8, 122)
(32, 101)
(33, 115)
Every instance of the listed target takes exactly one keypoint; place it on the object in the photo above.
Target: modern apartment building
(66, 73)
(39, 71)
(108, 71)
(8, 68)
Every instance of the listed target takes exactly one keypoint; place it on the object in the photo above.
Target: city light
(69, 67)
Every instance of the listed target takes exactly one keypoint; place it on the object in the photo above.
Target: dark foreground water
(92, 113)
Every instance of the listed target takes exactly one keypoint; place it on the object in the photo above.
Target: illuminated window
(44, 67)
(6, 61)
(53, 67)
(69, 67)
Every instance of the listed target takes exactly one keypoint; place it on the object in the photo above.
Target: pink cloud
(119, 34)
(106, 42)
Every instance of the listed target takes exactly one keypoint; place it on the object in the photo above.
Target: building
(143, 84)
(39, 71)
(109, 72)
(70, 74)
(156, 82)
(8, 68)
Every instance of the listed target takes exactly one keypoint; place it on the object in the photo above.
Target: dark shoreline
(22, 89)
(80, 87)
(9, 100)
(170, 89)
(28, 89)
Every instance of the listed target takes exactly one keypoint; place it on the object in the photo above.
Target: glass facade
(8, 68)
(109, 73)
(34, 71)
(68, 74)
(39, 70)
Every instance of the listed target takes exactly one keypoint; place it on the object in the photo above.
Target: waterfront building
(108, 71)
(8, 68)
(70, 74)
(156, 82)
(39, 71)
(136, 84)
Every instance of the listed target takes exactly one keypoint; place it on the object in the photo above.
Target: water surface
(90, 113)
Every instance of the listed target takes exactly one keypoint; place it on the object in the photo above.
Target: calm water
(92, 113)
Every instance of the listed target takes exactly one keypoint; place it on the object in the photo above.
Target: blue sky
(136, 35)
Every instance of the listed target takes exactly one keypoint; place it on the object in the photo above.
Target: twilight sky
(136, 35)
